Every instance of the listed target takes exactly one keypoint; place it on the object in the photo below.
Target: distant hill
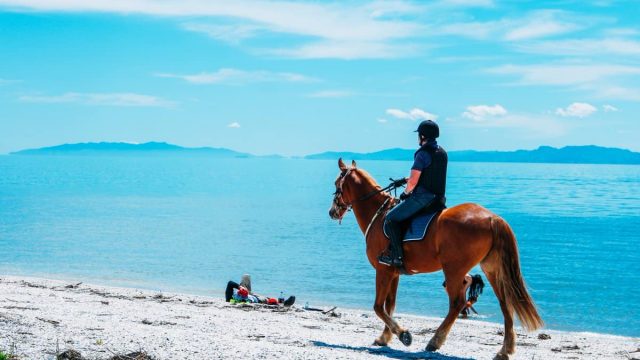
(589, 154)
(120, 148)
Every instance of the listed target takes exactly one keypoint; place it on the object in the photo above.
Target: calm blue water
(191, 224)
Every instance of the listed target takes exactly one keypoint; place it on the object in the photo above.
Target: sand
(40, 317)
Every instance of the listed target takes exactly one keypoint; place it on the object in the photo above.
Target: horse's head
(344, 194)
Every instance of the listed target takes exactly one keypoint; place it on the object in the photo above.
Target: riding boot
(393, 255)
(396, 252)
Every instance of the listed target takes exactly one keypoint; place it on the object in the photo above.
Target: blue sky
(302, 77)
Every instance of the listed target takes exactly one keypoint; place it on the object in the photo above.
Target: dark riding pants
(228, 293)
(402, 212)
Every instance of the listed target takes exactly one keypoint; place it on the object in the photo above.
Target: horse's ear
(353, 164)
(341, 165)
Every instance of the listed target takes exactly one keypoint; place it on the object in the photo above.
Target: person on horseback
(425, 185)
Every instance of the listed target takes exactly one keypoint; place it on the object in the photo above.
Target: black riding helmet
(428, 129)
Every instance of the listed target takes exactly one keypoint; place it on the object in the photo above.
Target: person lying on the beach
(241, 293)
(475, 285)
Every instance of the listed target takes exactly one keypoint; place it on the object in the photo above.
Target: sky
(301, 77)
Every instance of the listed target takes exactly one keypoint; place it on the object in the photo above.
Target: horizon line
(302, 156)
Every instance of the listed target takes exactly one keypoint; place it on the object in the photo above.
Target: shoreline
(38, 315)
(216, 293)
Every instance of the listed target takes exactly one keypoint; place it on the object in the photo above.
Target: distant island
(588, 154)
(144, 149)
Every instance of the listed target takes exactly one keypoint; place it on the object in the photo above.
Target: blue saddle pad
(418, 226)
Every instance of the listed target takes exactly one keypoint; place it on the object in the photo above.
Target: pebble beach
(41, 318)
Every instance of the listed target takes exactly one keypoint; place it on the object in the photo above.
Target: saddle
(416, 227)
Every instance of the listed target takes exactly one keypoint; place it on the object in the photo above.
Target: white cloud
(609, 108)
(536, 24)
(618, 93)
(419, 114)
(577, 109)
(413, 114)
(7, 81)
(564, 74)
(539, 28)
(311, 19)
(382, 120)
(583, 47)
(347, 50)
(235, 76)
(399, 114)
(380, 9)
(467, 3)
(333, 24)
(622, 32)
(483, 112)
(599, 80)
(105, 99)
(530, 125)
(234, 125)
(474, 30)
(331, 94)
(229, 33)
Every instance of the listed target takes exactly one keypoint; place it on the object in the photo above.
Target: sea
(190, 224)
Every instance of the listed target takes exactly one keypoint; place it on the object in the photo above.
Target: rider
(425, 184)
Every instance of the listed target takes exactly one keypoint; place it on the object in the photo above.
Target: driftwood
(136, 355)
(73, 286)
(54, 322)
(158, 323)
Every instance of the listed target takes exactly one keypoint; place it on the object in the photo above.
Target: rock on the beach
(69, 355)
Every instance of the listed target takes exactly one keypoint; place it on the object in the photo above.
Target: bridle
(346, 207)
(337, 196)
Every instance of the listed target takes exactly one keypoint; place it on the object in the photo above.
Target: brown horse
(458, 239)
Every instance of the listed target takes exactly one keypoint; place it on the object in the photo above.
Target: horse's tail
(509, 278)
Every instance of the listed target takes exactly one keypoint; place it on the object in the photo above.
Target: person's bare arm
(412, 181)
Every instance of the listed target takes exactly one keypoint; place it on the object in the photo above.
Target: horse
(457, 239)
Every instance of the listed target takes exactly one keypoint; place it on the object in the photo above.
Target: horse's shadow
(390, 353)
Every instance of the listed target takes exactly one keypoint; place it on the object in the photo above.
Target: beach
(41, 317)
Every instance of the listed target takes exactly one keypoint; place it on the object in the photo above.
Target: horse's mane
(367, 178)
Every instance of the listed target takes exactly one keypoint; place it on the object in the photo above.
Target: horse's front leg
(384, 281)
(389, 306)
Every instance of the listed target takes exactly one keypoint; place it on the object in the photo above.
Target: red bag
(272, 301)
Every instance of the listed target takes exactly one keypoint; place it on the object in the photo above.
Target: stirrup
(385, 260)
(389, 260)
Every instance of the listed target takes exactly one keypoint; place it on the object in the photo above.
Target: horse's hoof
(377, 342)
(406, 338)
(501, 356)
(430, 348)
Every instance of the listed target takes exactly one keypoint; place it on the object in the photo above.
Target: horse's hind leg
(455, 290)
(384, 280)
(509, 342)
(389, 306)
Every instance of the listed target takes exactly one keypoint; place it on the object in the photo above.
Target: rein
(373, 219)
(348, 206)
